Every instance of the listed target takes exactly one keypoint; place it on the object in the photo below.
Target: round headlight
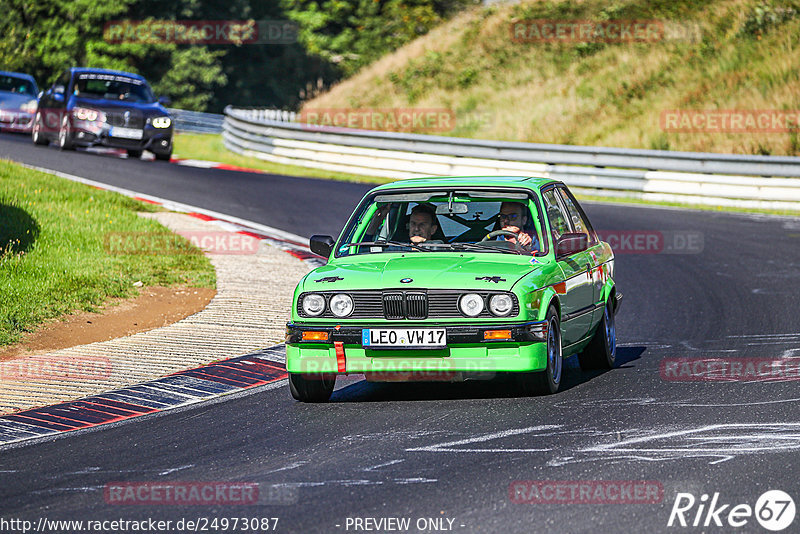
(314, 304)
(341, 305)
(501, 304)
(471, 304)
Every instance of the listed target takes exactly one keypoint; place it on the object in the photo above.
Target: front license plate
(426, 338)
(126, 133)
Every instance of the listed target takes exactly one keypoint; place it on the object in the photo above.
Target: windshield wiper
(388, 243)
(485, 247)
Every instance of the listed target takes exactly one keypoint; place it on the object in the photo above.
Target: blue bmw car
(98, 107)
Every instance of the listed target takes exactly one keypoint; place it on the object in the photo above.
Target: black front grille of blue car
(397, 305)
(116, 117)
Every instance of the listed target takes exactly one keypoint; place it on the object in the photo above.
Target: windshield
(20, 86)
(442, 221)
(112, 87)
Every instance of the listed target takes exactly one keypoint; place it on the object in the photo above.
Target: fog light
(311, 335)
(497, 334)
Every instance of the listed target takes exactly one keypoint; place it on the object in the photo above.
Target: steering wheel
(496, 233)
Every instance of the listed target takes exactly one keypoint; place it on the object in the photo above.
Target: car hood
(106, 105)
(13, 100)
(425, 270)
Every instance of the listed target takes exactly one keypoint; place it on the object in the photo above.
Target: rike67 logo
(774, 510)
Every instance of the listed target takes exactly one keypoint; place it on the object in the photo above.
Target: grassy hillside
(610, 94)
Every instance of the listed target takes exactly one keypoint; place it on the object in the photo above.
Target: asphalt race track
(453, 451)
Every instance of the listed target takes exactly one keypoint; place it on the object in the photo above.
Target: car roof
(80, 70)
(521, 182)
(18, 75)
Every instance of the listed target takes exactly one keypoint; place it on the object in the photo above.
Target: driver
(513, 217)
(422, 223)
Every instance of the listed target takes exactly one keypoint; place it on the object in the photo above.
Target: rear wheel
(36, 133)
(602, 349)
(548, 381)
(134, 153)
(311, 388)
(165, 156)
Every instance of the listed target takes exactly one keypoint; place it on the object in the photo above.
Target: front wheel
(65, 135)
(548, 381)
(601, 352)
(163, 156)
(311, 388)
(135, 154)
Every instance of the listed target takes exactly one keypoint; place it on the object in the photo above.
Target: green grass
(53, 258)
(210, 147)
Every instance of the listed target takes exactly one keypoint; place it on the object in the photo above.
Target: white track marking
(448, 445)
(385, 464)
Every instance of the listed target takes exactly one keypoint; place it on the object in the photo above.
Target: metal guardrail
(196, 122)
(718, 179)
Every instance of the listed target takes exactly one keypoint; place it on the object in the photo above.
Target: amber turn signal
(311, 335)
(497, 334)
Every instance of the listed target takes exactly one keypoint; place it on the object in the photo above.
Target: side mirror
(165, 101)
(571, 243)
(322, 245)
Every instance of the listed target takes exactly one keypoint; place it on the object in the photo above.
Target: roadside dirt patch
(153, 308)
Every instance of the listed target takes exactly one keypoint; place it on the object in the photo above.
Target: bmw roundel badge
(406, 280)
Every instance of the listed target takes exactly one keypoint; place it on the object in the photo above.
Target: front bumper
(466, 350)
(153, 139)
(16, 121)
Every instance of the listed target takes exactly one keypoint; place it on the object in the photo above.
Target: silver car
(18, 101)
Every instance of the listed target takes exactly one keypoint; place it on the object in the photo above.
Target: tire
(166, 156)
(601, 351)
(136, 154)
(36, 133)
(65, 136)
(318, 388)
(548, 381)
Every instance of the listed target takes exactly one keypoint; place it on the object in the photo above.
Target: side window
(558, 221)
(60, 85)
(579, 223)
